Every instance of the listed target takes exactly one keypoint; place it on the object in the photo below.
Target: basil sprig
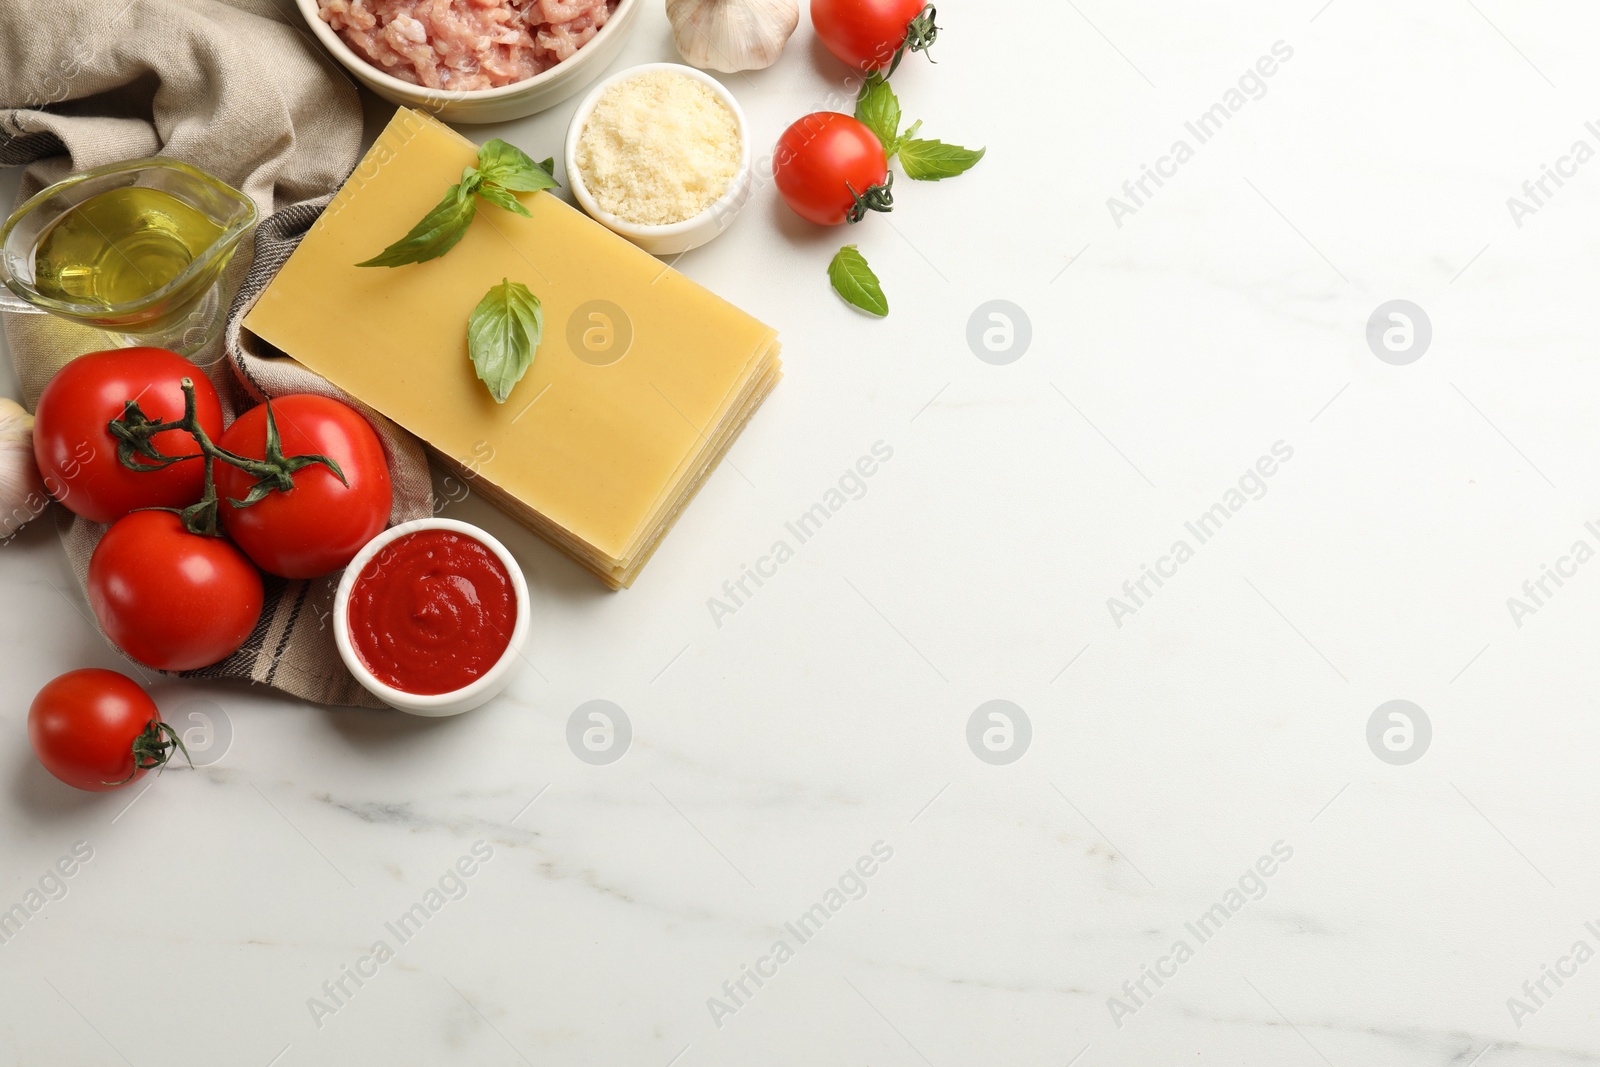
(504, 330)
(503, 333)
(502, 171)
(510, 167)
(438, 231)
(931, 161)
(854, 280)
(923, 159)
(878, 108)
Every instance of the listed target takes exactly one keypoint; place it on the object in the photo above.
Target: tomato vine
(136, 451)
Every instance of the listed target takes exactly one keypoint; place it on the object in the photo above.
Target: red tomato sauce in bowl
(432, 612)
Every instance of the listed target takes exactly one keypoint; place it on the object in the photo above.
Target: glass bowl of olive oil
(134, 248)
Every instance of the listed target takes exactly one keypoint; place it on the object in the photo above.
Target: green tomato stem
(876, 198)
(920, 35)
(154, 748)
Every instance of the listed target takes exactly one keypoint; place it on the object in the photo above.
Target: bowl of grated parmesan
(660, 154)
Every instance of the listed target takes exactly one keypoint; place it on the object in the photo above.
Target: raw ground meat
(465, 44)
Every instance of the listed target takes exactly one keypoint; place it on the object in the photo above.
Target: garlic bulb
(22, 495)
(732, 35)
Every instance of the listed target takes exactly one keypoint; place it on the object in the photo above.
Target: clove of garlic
(732, 35)
(22, 495)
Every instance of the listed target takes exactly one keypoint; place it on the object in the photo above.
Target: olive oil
(120, 246)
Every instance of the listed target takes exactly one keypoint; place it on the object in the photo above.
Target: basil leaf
(496, 194)
(435, 235)
(503, 334)
(929, 161)
(854, 280)
(511, 168)
(879, 110)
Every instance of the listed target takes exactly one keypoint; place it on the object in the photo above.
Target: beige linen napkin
(237, 88)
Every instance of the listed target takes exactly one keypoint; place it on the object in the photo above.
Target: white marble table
(1175, 740)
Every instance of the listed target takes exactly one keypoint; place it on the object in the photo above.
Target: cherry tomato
(320, 524)
(171, 599)
(821, 159)
(77, 454)
(97, 730)
(865, 34)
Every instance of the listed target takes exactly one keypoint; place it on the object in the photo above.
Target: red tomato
(821, 159)
(77, 454)
(865, 34)
(171, 599)
(97, 730)
(319, 525)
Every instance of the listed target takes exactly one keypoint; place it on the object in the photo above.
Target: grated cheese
(658, 148)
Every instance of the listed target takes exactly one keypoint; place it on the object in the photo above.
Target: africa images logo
(851, 885)
(851, 485)
(453, 885)
(1251, 85)
(1251, 485)
(1251, 886)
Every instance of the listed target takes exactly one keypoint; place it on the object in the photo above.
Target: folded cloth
(239, 89)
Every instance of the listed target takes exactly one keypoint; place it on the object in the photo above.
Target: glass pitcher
(157, 282)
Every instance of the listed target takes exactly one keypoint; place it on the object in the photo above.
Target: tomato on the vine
(172, 600)
(831, 168)
(319, 525)
(76, 453)
(868, 35)
(97, 730)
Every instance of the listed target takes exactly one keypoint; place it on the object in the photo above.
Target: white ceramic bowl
(677, 237)
(480, 691)
(486, 105)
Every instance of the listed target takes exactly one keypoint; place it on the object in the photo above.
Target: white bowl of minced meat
(483, 61)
